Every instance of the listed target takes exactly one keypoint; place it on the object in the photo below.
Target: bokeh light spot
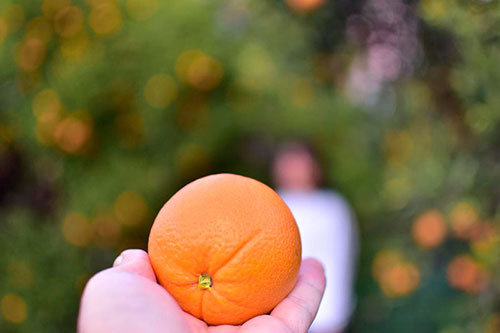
(487, 239)
(199, 70)
(464, 273)
(73, 133)
(105, 18)
(304, 6)
(14, 308)
(463, 217)
(434, 9)
(68, 21)
(76, 229)
(395, 276)
(160, 91)
(48, 110)
(46, 101)
(400, 280)
(383, 261)
(256, 67)
(30, 54)
(429, 229)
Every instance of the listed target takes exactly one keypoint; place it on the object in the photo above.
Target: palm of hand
(127, 298)
(264, 323)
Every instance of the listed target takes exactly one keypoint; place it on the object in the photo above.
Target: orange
(227, 248)
(303, 6)
(429, 229)
(464, 273)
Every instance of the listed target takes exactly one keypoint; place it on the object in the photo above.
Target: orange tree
(108, 107)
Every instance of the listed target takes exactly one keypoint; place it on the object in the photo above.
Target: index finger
(299, 308)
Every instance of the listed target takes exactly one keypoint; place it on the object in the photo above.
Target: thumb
(135, 262)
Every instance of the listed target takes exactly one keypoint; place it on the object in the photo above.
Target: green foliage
(108, 107)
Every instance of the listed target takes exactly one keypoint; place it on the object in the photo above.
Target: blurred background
(108, 107)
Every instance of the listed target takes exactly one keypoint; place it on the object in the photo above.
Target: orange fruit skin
(237, 230)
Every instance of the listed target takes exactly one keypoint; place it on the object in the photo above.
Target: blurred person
(127, 298)
(327, 228)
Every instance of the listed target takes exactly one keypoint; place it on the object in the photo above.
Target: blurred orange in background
(13, 308)
(429, 229)
(463, 217)
(395, 276)
(304, 6)
(109, 106)
(465, 273)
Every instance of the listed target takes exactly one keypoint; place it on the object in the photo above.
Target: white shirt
(329, 233)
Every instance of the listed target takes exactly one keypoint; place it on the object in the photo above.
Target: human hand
(127, 298)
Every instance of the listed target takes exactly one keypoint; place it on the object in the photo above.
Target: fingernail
(118, 261)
